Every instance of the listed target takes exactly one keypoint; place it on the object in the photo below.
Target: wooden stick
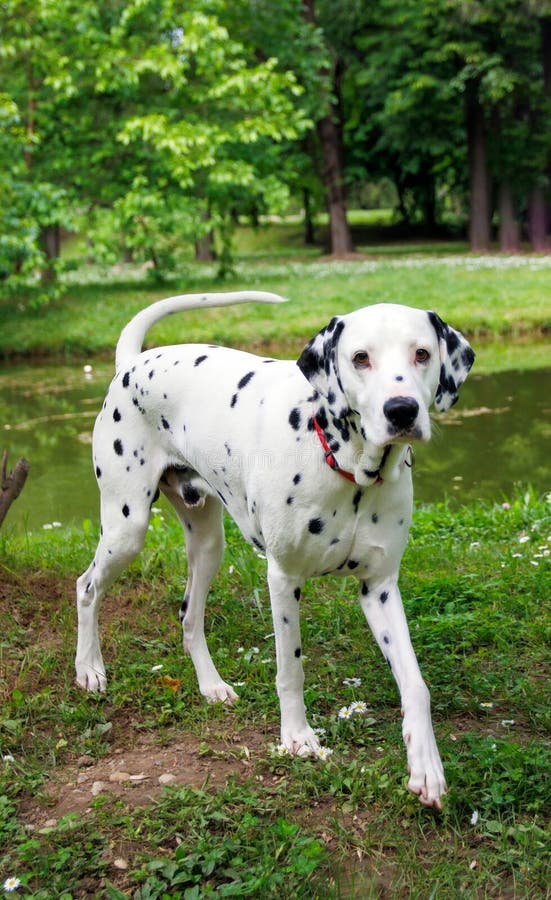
(12, 484)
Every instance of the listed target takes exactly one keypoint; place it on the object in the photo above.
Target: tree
(159, 96)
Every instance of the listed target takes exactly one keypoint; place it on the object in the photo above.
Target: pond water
(497, 436)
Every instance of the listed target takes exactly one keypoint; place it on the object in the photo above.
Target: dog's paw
(426, 774)
(91, 678)
(301, 742)
(219, 693)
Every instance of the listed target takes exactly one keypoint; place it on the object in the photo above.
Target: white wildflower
(358, 707)
(11, 884)
(474, 817)
(345, 712)
(323, 753)
(281, 750)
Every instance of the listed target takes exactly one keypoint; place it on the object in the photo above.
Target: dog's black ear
(456, 359)
(318, 362)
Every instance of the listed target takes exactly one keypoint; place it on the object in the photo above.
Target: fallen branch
(12, 484)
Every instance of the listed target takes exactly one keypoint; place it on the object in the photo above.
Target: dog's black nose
(401, 412)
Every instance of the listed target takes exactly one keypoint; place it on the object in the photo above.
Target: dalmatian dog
(312, 459)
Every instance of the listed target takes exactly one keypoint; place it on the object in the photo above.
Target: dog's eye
(361, 359)
(422, 355)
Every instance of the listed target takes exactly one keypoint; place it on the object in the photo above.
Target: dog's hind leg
(122, 538)
(201, 517)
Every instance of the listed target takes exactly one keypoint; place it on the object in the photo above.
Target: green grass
(476, 584)
(489, 298)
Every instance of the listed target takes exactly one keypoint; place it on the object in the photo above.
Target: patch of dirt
(138, 774)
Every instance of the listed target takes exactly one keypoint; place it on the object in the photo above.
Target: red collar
(329, 458)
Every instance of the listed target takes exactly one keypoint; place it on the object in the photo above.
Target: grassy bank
(489, 298)
(238, 820)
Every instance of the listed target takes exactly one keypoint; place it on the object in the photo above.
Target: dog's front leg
(296, 734)
(384, 612)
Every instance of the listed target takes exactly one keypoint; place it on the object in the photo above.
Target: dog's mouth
(404, 436)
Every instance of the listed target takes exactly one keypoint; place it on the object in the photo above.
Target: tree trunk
(479, 180)
(12, 484)
(50, 240)
(309, 235)
(339, 231)
(429, 203)
(329, 129)
(538, 221)
(204, 246)
(509, 233)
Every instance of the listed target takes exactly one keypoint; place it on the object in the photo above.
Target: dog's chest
(339, 529)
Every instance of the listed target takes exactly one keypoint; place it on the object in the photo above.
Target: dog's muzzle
(401, 413)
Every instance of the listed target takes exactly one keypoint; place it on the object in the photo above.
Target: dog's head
(388, 363)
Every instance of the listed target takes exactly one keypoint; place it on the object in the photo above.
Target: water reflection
(498, 435)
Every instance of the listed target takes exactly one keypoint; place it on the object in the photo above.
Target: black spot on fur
(233, 401)
(321, 416)
(365, 589)
(289, 500)
(98, 472)
(375, 518)
(126, 510)
(285, 620)
(245, 380)
(353, 564)
(257, 543)
(118, 448)
(383, 597)
(191, 495)
(298, 652)
(126, 379)
(200, 359)
(315, 526)
(356, 500)
(116, 415)
(295, 419)
(297, 478)
(151, 374)
(297, 593)
(165, 424)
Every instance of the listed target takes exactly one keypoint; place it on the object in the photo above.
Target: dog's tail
(132, 336)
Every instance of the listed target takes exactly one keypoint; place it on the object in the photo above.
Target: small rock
(50, 823)
(119, 777)
(84, 761)
(98, 787)
(167, 778)
(120, 863)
